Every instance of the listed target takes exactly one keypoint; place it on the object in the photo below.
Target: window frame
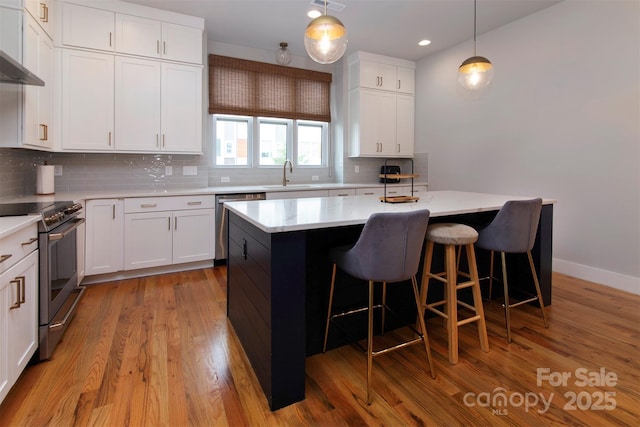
(253, 141)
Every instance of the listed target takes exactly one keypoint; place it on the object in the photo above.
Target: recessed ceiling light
(424, 42)
(313, 13)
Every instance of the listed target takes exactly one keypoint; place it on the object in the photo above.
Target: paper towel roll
(45, 181)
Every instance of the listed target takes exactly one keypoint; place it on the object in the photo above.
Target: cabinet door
(377, 123)
(41, 12)
(137, 104)
(87, 27)
(148, 239)
(22, 321)
(181, 43)
(38, 57)
(138, 36)
(87, 100)
(405, 115)
(5, 384)
(376, 75)
(406, 80)
(193, 235)
(104, 236)
(181, 108)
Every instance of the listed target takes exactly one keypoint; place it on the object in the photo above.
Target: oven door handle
(57, 325)
(59, 236)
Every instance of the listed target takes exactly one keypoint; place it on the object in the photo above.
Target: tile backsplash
(91, 171)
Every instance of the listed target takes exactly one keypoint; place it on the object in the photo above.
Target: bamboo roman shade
(250, 88)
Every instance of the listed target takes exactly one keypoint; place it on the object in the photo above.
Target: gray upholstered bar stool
(387, 251)
(453, 236)
(513, 230)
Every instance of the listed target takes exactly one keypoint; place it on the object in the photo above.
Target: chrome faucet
(284, 172)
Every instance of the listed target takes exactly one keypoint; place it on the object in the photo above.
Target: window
(265, 114)
(303, 142)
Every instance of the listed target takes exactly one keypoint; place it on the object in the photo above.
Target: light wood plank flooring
(159, 351)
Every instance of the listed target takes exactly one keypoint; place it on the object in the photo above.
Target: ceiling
(385, 27)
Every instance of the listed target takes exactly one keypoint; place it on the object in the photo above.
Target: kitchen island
(279, 272)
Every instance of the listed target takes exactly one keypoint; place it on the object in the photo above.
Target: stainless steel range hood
(12, 71)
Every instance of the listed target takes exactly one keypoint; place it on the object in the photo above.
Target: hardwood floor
(159, 351)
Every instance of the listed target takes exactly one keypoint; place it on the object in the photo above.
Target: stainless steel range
(59, 290)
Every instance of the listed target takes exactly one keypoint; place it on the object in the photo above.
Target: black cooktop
(30, 208)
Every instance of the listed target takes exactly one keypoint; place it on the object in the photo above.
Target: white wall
(560, 120)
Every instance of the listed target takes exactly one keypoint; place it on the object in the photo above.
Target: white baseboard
(604, 277)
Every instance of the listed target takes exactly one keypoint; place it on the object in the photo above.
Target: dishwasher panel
(221, 223)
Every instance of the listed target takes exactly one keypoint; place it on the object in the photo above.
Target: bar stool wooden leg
(326, 331)
(370, 344)
(452, 298)
(507, 317)
(477, 298)
(424, 282)
(423, 328)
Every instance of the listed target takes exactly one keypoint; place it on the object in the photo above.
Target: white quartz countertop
(275, 216)
(78, 196)
(12, 224)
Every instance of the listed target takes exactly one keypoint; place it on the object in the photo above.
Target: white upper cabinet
(406, 80)
(367, 70)
(123, 89)
(88, 27)
(168, 118)
(38, 58)
(87, 101)
(156, 39)
(376, 75)
(181, 112)
(137, 117)
(42, 13)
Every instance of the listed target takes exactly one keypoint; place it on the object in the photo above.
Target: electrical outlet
(190, 170)
(225, 179)
(357, 169)
(314, 178)
(168, 170)
(57, 170)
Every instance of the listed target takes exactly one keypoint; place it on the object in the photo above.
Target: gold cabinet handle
(158, 47)
(169, 223)
(3, 258)
(19, 281)
(45, 132)
(31, 240)
(193, 203)
(109, 139)
(163, 141)
(175, 223)
(110, 39)
(45, 13)
(164, 48)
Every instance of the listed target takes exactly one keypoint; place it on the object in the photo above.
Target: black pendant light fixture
(476, 72)
(325, 38)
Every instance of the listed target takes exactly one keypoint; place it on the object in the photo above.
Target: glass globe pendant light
(325, 38)
(283, 55)
(476, 72)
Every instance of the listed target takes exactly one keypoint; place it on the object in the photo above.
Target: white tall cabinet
(381, 106)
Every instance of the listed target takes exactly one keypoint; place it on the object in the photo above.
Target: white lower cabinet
(18, 319)
(104, 236)
(157, 235)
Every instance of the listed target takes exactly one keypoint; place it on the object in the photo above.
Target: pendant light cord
(474, 27)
